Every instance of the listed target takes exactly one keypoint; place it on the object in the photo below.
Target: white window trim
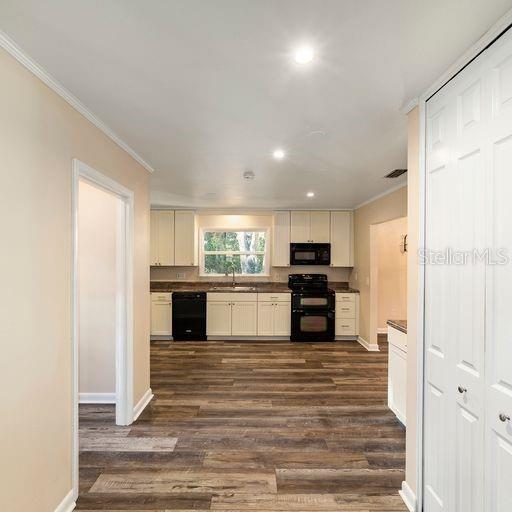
(266, 252)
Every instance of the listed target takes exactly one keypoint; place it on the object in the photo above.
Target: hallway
(250, 426)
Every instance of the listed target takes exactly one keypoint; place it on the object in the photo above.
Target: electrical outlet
(180, 275)
(277, 276)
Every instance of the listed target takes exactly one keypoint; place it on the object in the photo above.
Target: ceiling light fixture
(310, 194)
(278, 154)
(304, 54)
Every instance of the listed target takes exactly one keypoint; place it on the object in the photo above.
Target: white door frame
(124, 302)
(484, 42)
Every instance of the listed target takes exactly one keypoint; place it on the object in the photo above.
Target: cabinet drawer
(160, 297)
(345, 327)
(345, 297)
(345, 310)
(274, 297)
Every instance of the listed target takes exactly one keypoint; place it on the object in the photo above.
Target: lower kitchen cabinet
(397, 372)
(274, 315)
(161, 314)
(347, 314)
(232, 314)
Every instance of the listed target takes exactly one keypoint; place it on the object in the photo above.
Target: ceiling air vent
(396, 173)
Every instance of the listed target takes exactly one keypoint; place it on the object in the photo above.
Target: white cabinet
(397, 372)
(274, 315)
(185, 238)
(281, 248)
(218, 317)
(347, 315)
(310, 226)
(161, 314)
(232, 314)
(162, 237)
(342, 239)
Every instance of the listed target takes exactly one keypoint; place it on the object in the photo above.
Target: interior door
(498, 371)
(455, 294)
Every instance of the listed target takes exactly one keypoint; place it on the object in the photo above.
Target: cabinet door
(218, 318)
(300, 227)
(320, 227)
(166, 238)
(161, 318)
(185, 239)
(282, 318)
(244, 319)
(153, 237)
(281, 249)
(342, 239)
(265, 319)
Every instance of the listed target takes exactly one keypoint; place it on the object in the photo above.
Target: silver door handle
(504, 417)
(461, 390)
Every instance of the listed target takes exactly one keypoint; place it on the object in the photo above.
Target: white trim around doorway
(124, 304)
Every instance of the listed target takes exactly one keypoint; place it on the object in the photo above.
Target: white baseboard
(143, 402)
(368, 346)
(67, 504)
(96, 398)
(408, 497)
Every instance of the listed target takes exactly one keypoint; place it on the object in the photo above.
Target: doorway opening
(388, 275)
(102, 300)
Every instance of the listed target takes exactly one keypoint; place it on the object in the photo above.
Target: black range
(313, 308)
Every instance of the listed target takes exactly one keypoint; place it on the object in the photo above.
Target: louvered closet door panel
(498, 374)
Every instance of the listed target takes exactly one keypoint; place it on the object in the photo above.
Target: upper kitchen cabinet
(185, 238)
(310, 227)
(162, 237)
(342, 239)
(281, 247)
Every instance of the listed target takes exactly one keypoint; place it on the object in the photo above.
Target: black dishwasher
(189, 316)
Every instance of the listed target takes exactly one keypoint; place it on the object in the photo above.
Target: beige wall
(40, 134)
(388, 207)
(243, 220)
(391, 272)
(412, 295)
(97, 285)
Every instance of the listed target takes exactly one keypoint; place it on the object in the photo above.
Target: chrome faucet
(233, 283)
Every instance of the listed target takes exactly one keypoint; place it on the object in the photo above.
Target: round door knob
(503, 417)
(461, 390)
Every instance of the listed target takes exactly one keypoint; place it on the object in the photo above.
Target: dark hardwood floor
(266, 426)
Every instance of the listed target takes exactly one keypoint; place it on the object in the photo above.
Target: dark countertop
(260, 287)
(400, 325)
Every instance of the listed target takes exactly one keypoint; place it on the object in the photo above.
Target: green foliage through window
(243, 251)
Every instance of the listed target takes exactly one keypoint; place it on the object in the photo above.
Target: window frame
(265, 253)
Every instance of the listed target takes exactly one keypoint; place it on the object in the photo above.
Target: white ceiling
(205, 89)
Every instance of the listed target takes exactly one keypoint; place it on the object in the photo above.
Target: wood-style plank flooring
(256, 426)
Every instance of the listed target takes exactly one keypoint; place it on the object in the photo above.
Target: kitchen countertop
(400, 325)
(260, 287)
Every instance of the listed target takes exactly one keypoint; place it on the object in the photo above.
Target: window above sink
(246, 252)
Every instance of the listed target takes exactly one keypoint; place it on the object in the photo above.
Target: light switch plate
(180, 275)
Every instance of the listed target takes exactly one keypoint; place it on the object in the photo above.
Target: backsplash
(277, 274)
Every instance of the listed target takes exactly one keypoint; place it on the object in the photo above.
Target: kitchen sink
(233, 288)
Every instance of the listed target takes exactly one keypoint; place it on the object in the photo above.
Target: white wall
(97, 284)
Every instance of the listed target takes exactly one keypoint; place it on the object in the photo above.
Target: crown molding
(378, 196)
(407, 107)
(15, 51)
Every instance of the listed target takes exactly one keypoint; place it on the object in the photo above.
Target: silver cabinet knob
(461, 390)
(504, 417)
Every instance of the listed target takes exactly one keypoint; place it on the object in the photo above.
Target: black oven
(313, 308)
(310, 254)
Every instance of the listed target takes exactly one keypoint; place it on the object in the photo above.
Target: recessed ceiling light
(304, 54)
(278, 154)
(310, 194)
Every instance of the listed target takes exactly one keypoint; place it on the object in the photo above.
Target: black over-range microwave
(310, 254)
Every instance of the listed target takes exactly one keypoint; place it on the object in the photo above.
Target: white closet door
(498, 375)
